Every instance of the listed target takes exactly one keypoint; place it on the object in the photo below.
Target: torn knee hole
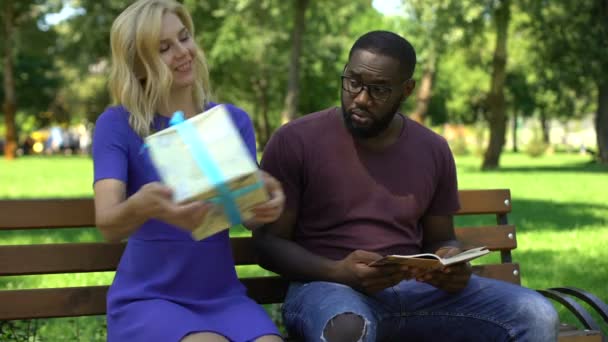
(344, 327)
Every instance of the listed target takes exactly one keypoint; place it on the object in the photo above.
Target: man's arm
(438, 232)
(439, 238)
(279, 253)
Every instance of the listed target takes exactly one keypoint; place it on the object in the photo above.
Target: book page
(429, 260)
(465, 256)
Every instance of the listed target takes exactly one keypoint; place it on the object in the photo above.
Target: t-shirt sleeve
(283, 161)
(110, 147)
(445, 199)
(243, 123)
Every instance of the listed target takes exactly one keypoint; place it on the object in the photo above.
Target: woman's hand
(155, 200)
(271, 210)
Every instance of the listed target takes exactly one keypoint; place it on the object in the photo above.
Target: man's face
(366, 116)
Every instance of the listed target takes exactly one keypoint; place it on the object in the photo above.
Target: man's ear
(410, 85)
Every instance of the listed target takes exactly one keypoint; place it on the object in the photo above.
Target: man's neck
(385, 139)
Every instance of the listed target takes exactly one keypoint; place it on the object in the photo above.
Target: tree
(574, 46)
(10, 18)
(250, 59)
(435, 27)
(25, 52)
(496, 99)
(293, 85)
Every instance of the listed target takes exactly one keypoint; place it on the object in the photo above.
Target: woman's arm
(117, 217)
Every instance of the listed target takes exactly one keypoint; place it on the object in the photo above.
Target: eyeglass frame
(369, 87)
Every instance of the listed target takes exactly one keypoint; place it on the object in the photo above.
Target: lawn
(560, 208)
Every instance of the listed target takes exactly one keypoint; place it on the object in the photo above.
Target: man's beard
(376, 128)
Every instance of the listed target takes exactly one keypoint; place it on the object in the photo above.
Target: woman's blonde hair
(139, 79)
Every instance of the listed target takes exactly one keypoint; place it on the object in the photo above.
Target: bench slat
(80, 212)
(46, 213)
(494, 237)
(59, 258)
(101, 256)
(243, 250)
(91, 300)
(506, 272)
(484, 202)
(56, 302)
(85, 257)
(266, 290)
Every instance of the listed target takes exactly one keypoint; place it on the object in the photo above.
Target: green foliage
(36, 79)
(90, 329)
(536, 148)
(463, 86)
(459, 147)
(248, 45)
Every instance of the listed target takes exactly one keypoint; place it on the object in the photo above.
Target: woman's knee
(204, 337)
(269, 338)
(345, 327)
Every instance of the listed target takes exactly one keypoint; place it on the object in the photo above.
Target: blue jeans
(486, 310)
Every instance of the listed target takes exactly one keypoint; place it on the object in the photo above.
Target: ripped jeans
(486, 310)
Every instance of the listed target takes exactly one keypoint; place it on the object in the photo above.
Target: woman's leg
(204, 337)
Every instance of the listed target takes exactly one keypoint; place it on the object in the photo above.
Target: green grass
(560, 208)
(42, 177)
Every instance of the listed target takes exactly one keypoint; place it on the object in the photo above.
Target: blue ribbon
(205, 162)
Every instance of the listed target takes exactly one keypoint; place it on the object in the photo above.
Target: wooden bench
(100, 256)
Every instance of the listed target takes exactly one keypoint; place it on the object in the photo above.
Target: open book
(429, 260)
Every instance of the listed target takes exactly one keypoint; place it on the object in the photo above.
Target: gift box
(205, 158)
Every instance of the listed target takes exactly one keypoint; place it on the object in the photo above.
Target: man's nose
(363, 97)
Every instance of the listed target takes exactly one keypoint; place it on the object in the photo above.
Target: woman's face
(177, 50)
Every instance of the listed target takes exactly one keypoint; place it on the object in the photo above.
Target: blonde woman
(167, 286)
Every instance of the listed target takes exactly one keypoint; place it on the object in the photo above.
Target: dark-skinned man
(363, 181)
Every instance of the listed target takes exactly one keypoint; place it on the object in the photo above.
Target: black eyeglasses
(377, 92)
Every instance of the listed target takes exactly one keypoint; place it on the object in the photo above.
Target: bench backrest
(16, 260)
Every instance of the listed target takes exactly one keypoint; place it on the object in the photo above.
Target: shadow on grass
(592, 167)
(580, 167)
(539, 215)
(543, 269)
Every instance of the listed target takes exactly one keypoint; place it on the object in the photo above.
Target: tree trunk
(601, 117)
(544, 126)
(514, 133)
(293, 87)
(263, 129)
(266, 121)
(10, 103)
(423, 97)
(496, 97)
(601, 121)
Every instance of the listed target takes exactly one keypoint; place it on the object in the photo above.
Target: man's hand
(271, 210)
(355, 272)
(452, 278)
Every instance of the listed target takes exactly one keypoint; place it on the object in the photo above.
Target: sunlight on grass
(45, 176)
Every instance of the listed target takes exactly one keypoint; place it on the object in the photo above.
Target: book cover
(205, 158)
(431, 261)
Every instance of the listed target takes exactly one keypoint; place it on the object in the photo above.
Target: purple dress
(167, 285)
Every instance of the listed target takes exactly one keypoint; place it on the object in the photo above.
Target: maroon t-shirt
(347, 197)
